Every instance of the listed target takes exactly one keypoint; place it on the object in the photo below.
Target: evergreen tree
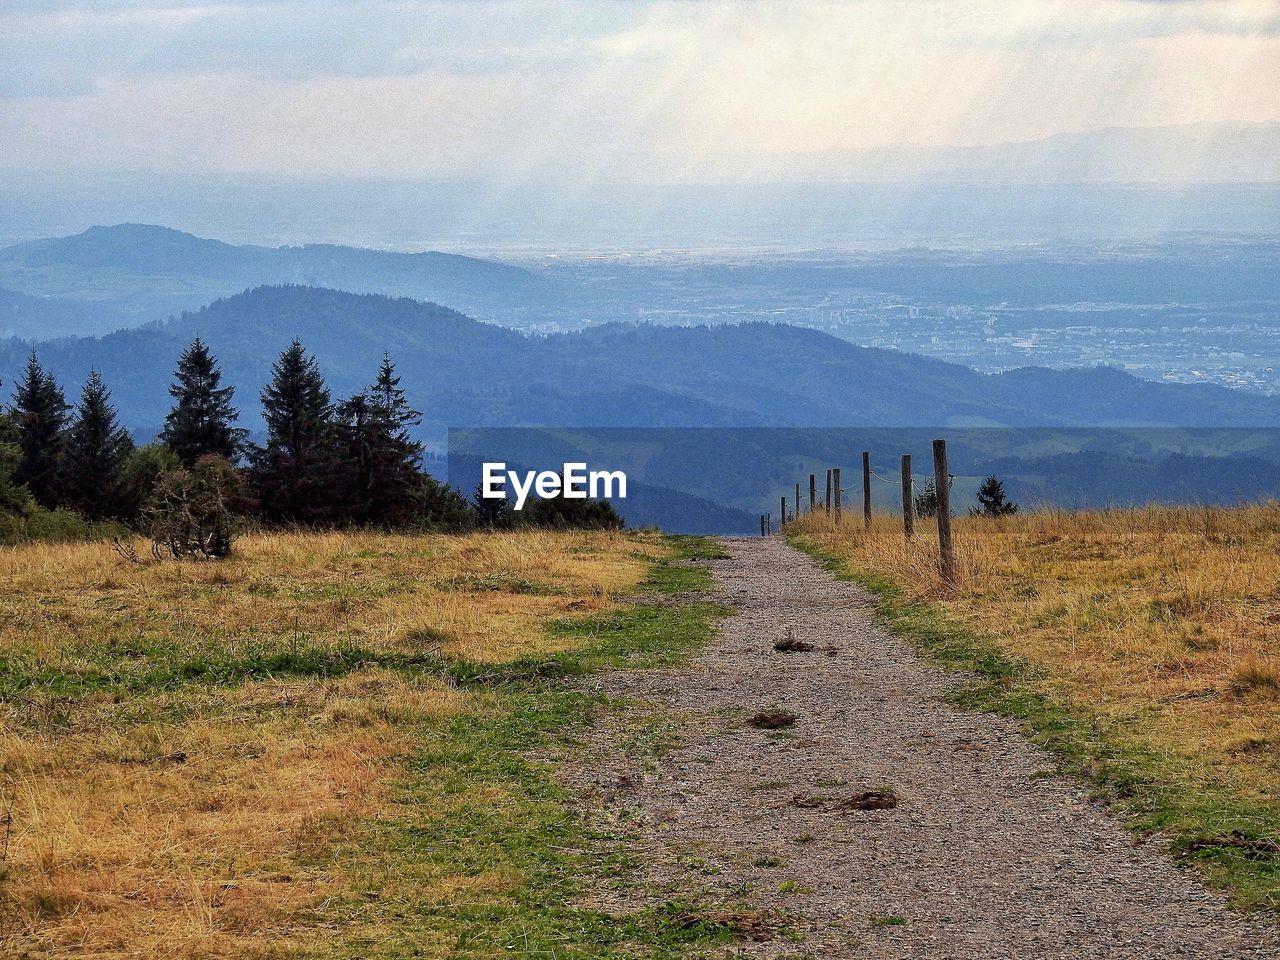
(992, 501)
(97, 448)
(202, 420)
(14, 498)
(441, 507)
(382, 462)
(491, 513)
(927, 499)
(296, 474)
(39, 411)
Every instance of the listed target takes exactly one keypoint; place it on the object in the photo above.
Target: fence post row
(942, 482)
(908, 499)
(942, 486)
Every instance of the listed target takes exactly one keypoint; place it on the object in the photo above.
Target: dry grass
(166, 793)
(1166, 619)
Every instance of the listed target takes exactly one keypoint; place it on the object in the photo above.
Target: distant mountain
(132, 273)
(465, 373)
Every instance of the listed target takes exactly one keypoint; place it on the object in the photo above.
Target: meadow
(1140, 645)
(317, 747)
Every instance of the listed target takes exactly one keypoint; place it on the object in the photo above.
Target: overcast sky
(508, 89)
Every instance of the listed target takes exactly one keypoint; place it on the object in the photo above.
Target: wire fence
(833, 498)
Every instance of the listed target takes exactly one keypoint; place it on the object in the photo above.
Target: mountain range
(107, 278)
(462, 372)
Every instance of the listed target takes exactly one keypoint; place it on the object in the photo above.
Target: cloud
(512, 89)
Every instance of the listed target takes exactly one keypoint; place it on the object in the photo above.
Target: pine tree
(441, 507)
(992, 501)
(97, 448)
(927, 499)
(382, 461)
(390, 405)
(14, 498)
(39, 411)
(296, 474)
(202, 420)
(491, 513)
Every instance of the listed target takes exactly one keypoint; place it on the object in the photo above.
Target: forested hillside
(136, 273)
(462, 372)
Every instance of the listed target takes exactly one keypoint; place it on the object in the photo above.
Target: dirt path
(985, 855)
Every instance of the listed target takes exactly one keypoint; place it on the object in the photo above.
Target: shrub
(197, 512)
(441, 507)
(564, 514)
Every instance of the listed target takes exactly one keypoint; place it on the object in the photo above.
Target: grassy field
(1143, 646)
(319, 747)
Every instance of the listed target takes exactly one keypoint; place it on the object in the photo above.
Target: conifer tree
(382, 460)
(491, 513)
(391, 407)
(39, 411)
(992, 501)
(97, 448)
(296, 474)
(14, 498)
(202, 420)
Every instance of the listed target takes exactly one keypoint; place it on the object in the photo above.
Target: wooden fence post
(813, 492)
(782, 517)
(762, 524)
(828, 489)
(908, 499)
(866, 489)
(942, 482)
(795, 514)
(835, 491)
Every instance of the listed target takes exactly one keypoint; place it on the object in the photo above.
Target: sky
(638, 90)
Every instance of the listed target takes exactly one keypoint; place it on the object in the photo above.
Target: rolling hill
(131, 274)
(464, 372)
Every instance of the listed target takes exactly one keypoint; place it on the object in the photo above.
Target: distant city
(1222, 334)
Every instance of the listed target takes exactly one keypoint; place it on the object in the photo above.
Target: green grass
(511, 817)
(1223, 834)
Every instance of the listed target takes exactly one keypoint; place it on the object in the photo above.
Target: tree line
(324, 462)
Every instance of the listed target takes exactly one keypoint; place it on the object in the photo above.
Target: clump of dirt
(882, 799)
(792, 644)
(773, 719)
(754, 925)
(879, 799)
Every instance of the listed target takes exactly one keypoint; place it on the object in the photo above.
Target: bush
(197, 512)
(142, 470)
(560, 513)
(53, 526)
(441, 507)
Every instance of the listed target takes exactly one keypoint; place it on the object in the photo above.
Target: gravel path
(987, 853)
